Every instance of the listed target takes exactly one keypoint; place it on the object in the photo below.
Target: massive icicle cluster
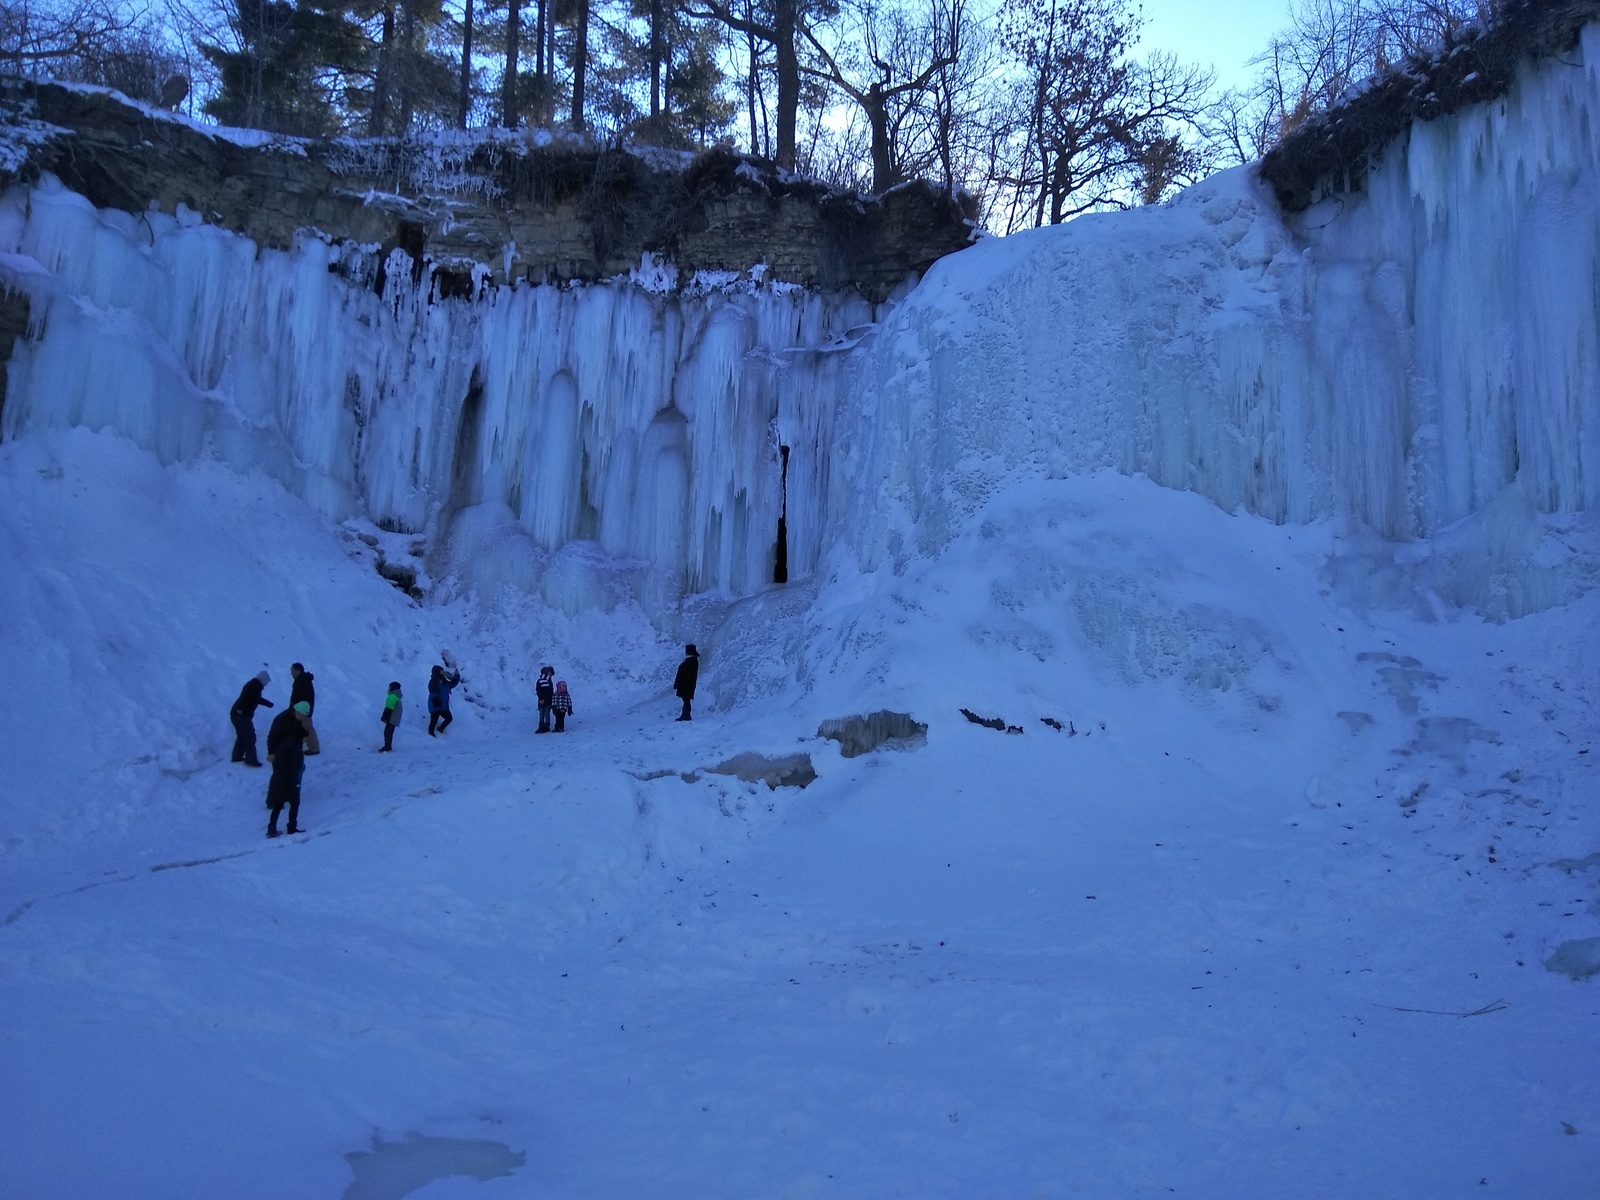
(641, 425)
(1420, 356)
(1407, 358)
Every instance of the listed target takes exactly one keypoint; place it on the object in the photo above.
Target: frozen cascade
(640, 429)
(1417, 360)
(1400, 358)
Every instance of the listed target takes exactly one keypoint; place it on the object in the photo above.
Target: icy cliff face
(645, 425)
(1404, 359)
(1418, 361)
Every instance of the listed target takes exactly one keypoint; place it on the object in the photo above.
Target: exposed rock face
(789, 770)
(522, 208)
(859, 735)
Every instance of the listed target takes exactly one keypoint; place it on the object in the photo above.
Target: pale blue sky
(1223, 34)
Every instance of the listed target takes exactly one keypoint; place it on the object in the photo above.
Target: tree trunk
(408, 64)
(785, 21)
(466, 66)
(508, 85)
(580, 62)
(750, 87)
(380, 83)
(655, 59)
(883, 172)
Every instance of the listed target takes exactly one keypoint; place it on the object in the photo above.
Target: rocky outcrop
(787, 770)
(518, 204)
(1334, 150)
(863, 733)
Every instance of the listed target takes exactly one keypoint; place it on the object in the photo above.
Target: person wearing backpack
(561, 705)
(439, 685)
(392, 708)
(243, 716)
(545, 693)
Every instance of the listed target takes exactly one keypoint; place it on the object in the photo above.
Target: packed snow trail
(1175, 951)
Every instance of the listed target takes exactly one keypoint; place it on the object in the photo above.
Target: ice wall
(1417, 360)
(1398, 358)
(639, 425)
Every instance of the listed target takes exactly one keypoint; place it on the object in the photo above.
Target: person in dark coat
(683, 683)
(561, 706)
(439, 685)
(287, 753)
(304, 688)
(545, 693)
(243, 716)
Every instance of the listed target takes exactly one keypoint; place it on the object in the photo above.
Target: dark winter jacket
(688, 673)
(286, 747)
(439, 691)
(544, 691)
(303, 689)
(250, 698)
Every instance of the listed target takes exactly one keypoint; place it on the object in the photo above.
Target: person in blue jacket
(439, 685)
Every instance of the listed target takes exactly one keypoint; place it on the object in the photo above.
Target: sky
(1220, 35)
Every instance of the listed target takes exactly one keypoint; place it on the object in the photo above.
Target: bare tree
(1331, 46)
(1090, 112)
(902, 50)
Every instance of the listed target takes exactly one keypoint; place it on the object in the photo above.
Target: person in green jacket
(392, 708)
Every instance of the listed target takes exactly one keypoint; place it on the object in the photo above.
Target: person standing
(561, 705)
(392, 708)
(545, 692)
(439, 685)
(303, 687)
(243, 716)
(287, 753)
(683, 683)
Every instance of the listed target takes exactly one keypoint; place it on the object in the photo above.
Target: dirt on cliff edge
(524, 204)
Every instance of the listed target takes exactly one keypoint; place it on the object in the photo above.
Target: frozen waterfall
(645, 424)
(1420, 360)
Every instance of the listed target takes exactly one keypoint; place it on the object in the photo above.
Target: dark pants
(561, 721)
(544, 717)
(441, 719)
(686, 715)
(244, 741)
(388, 736)
(294, 814)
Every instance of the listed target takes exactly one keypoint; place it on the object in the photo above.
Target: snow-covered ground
(1273, 920)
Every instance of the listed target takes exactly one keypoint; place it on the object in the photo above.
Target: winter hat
(561, 686)
(264, 678)
(547, 670)
(303, 708)
(394, 685)
(689, 649)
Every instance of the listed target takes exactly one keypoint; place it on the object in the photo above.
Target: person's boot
(271, 832)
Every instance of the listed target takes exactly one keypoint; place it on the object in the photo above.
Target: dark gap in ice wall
(14, 316)
(464, 471)
(413, 240)
(780, 560)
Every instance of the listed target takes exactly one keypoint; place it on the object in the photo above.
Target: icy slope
(1176, 952)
